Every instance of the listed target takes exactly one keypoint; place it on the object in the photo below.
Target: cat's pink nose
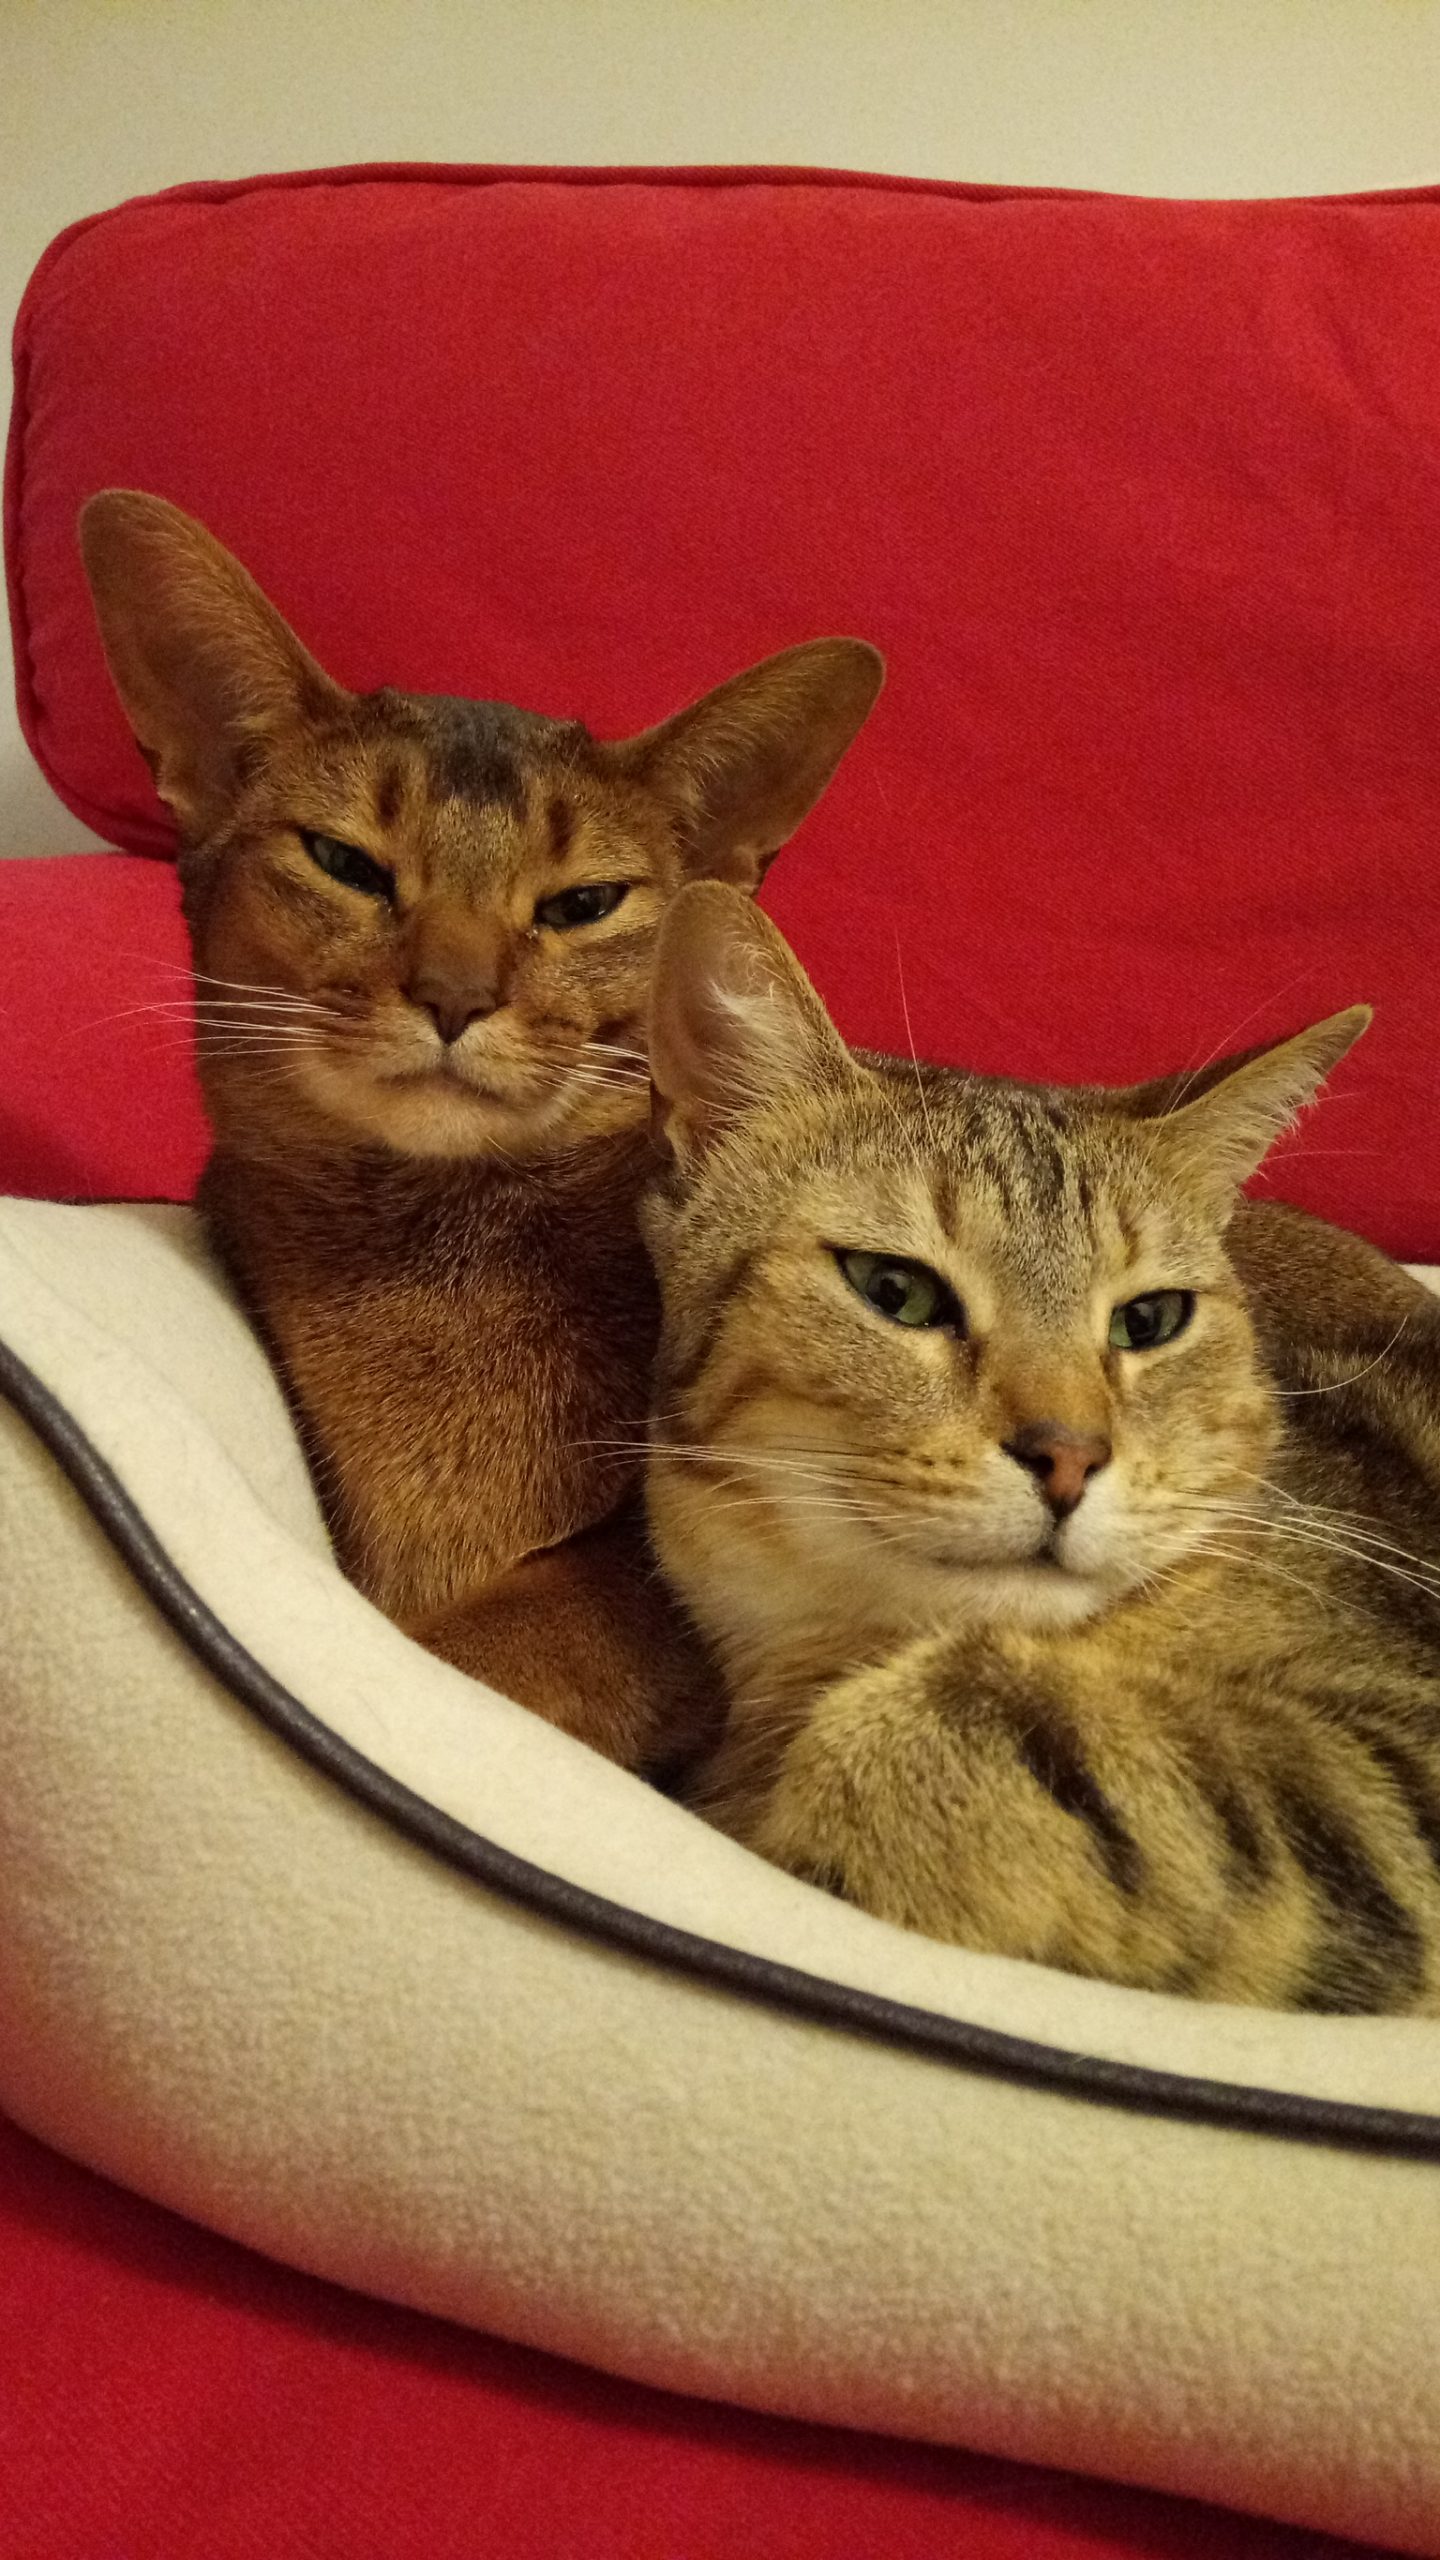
(1062, 1461)
(452, 1003)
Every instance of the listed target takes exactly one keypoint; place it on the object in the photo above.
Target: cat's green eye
(347, 864)
(585, 905)
(1143, 1323)
(907, 1293)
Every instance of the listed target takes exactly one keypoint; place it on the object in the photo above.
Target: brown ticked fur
(1179, 1728)
(430, 1107)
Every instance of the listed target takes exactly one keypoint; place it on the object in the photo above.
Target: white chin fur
(911, 1591)
(1025, 1595)
(431, 1114)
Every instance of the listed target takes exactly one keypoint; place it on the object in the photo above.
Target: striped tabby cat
(1071, 1602)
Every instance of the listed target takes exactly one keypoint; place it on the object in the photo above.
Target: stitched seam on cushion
(1049, 2068)
(220, 191)
(28, 690)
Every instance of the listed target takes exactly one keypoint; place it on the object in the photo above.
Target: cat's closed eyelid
(580, 903)
(348, 865)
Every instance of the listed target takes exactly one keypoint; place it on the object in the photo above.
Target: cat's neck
(368, 1202)
(781, 1624)
(467, 1346)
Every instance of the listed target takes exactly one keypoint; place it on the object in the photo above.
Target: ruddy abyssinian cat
(422, 931)
(1074, 1600)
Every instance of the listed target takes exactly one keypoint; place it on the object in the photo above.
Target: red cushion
(1140, 498)
(97, 1088)
(169, 2396)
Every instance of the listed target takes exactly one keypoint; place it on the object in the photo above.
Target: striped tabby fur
(1124, 1659)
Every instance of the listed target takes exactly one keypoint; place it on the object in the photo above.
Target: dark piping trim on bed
(1087, 2077)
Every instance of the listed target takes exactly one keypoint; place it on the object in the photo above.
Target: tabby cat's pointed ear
(204, 666)
(1217, 1140)
(734, 1020)
(741, 767)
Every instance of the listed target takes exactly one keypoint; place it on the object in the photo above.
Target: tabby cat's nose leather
(452, 1003)
(1062, 1461)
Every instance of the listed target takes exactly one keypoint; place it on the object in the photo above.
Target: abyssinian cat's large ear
(741, 767)
(733, 1018)
(1216, 1141)
(204, 666)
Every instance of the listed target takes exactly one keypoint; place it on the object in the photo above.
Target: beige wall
(101, 99)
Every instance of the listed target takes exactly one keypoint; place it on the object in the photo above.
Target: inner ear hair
(1160, 1095)
(740, 768)
(205, 667)
(1222, 1133)
(734, 1021)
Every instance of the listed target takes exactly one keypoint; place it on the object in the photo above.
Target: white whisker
(1228, 1042)
(914, 1053)
(1292, 1395)
(1317, 1534)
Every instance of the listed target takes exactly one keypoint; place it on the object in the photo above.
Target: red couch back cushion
(1141, 500)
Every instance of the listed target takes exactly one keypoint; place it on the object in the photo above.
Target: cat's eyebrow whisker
(1221, 1046)
(914, 1053)
(907, 1135)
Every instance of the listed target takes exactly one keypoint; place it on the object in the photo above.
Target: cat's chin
(1039, 1594)
(920, 1593)
(439, 1114)
(946, 1581)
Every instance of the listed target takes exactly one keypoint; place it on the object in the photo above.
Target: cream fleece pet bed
(303, 1934)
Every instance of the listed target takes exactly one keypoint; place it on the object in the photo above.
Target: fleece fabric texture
(1139, 498)
(169, 2396)
(229, 1985)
